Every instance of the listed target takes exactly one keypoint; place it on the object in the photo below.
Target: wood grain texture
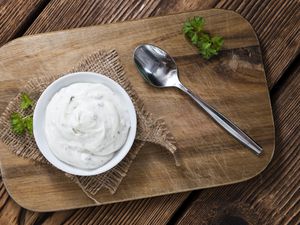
(273, 196)
(277, 24)
(15, 16)
(59, 14)
(161, 207)
(158, 209)
(233, 79)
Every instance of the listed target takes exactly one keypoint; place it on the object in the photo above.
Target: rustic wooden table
(270, 198)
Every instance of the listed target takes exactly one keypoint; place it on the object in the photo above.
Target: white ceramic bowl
(39, 121)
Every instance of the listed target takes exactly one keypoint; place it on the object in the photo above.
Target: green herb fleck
(208, 46)
(28, 120)
(26, 101)
(17, 124)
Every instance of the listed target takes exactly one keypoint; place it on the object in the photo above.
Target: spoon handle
(224, 122)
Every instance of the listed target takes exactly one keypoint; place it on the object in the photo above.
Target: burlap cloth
(149, 129)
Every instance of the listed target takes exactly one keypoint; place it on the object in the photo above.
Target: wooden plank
(239, 91)
(273, 196)
(59, 14)
(16, 16)
(157, 209)
(277, 25)
(126, 213)
(178, 6)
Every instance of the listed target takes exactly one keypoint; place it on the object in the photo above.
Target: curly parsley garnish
(19, 123)
(207, 45)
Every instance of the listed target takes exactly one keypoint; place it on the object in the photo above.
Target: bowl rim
(39, 120)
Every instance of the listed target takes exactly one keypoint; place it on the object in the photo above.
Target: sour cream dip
(85, 124)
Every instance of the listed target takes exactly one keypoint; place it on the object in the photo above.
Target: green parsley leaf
(197, 22)
(217, 42)
(26, 101)
(17, 124)
(187, 27)
(29, 124)
(195, 39)
(208, 46)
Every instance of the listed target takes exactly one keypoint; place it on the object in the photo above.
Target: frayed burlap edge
(149, 129)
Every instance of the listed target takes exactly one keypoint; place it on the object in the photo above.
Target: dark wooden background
(273, 197)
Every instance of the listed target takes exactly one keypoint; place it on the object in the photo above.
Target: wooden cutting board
(233, 82)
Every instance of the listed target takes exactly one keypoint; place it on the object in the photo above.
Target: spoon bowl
(159, 69)
(156, 66)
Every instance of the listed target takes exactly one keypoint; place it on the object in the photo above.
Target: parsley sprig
(19, 123)
(207, 45)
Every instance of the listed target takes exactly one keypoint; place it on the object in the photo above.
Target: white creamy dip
(85, 124)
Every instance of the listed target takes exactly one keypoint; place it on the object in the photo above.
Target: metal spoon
(159, 69)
